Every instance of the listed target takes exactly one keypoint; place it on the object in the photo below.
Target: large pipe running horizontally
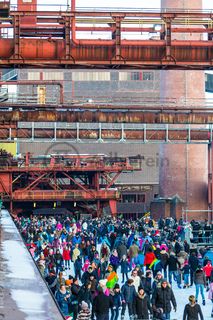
(98, 116)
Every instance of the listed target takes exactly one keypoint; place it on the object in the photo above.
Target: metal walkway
(23, 294)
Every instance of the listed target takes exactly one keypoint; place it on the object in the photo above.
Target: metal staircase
(10, 75)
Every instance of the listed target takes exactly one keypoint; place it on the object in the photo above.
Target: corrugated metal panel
(56, 75)
(34, 75)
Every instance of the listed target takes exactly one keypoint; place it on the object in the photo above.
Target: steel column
(168, 38)
(17, 38)
(118, 21)
(73, 21)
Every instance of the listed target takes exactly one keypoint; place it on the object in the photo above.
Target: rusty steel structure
(29, 37)
(105, 133)
(70, 179)
(12, 113)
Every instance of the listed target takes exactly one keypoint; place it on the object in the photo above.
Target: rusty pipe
(88, 116)
(73, 22)
(169, 106)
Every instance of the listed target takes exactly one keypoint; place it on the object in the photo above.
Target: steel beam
(142, 55)
(99, 115)
(56, 43)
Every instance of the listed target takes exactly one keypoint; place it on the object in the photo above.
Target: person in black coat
(51, 280)
(173, 264)
(116, 302)
(192, 310)
(85, 294)
(146, 283)
(101, 305)
(193, 264)
(75, 289)
(186, 246)
(86, 275)
(122, 250)
(142, 305)
(78, 267)
(58, 259)
(162, 298)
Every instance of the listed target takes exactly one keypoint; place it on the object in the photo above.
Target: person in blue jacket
(125, 267)
(63, 298)
(128, 294)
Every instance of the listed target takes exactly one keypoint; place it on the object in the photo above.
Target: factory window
(148, 75)
(128, 76)
(34, 75)
(53, 75)
(91, 76)
(129, 198)
(141, 198)
(123, 76)
(136, 76)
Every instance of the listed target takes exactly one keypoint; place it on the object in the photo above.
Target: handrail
(9, 75)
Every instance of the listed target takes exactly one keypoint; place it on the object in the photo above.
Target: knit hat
(159, 273)
(116, 286)
(84, 305)
(102, 282)
(68, 282)
(164, 281)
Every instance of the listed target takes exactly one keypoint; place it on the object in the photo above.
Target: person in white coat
(136, 279)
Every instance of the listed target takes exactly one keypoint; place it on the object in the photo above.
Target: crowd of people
(106, 268)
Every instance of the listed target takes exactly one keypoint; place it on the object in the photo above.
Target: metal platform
(23, 293)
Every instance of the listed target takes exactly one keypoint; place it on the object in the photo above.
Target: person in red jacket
(208, 270)
(149, 257)
(66, 257)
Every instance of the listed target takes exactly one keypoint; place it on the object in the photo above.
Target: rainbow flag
(153, 263)
(112, 279)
